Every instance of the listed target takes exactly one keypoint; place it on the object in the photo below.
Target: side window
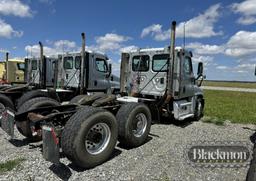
(140, 63)
(34, 64)
(187, 66)
(68, 62)
(21, 66)
(101, 65)
(78, 62)
(159, 63)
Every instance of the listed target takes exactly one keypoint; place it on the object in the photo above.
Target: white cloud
(200, 48)
(129, 48)
(201, 26)
(243, 43)
(247, 9)
(14, 7)
(222, 67)
(247, 20)
(65, 45)
(3, 50)
(154, 29)
(57, 48)
(109, 42)
(240, 68)
(207, 60)
(7, 31)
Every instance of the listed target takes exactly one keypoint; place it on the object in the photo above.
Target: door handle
(162, 80)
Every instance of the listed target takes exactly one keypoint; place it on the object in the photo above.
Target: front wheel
(89, 137)
(134, 120)
(199, 109)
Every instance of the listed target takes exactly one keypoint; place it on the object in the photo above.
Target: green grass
(237, 107)
(9, 165)
(229, 84)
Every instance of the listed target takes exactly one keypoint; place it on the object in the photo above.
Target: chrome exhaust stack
(42, 72)
(6, 65)
(82, 64)
(169, 86)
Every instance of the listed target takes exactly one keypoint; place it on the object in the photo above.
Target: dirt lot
(161, 158)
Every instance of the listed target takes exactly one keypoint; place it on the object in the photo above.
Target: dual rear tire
(90, 135)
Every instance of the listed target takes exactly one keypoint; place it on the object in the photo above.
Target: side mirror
(255, 71)
(110, 68)
(200, 69)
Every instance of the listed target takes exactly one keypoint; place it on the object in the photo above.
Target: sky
(221, 34)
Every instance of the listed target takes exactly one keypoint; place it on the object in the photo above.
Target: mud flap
(7, 122)
(50, 145)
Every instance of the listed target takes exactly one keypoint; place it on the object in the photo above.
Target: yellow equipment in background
(12, 71)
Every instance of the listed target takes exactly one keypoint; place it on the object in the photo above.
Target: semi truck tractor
(154, 83)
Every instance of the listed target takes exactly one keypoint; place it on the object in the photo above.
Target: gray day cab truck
(155, 83)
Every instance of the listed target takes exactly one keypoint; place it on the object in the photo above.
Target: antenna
(184, 35)
(31, 49)
(63, 48)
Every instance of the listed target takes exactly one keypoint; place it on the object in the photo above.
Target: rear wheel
(39, 102)
(30, 95)
(5, 102)
(134, 120)
(89, 137)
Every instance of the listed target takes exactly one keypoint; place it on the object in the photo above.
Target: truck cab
(97, 75)
(32, 70)
(12, 71)
(144, 75)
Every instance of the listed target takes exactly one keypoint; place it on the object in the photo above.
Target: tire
(87, 99)
(76, 99)
(30, 95)
(127, 123)
(24, 126)
(73, 139)
(5, 102)
(199, 109)
(251, 174)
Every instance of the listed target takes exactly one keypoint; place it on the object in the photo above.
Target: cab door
(50, 66)
(35, 74)
(187, 77)
(70, 72)
(98, 76)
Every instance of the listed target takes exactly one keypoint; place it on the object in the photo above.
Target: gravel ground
(161, 158)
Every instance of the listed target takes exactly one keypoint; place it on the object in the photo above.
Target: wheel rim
(2, 108)
(97, 138)
(140, 125)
